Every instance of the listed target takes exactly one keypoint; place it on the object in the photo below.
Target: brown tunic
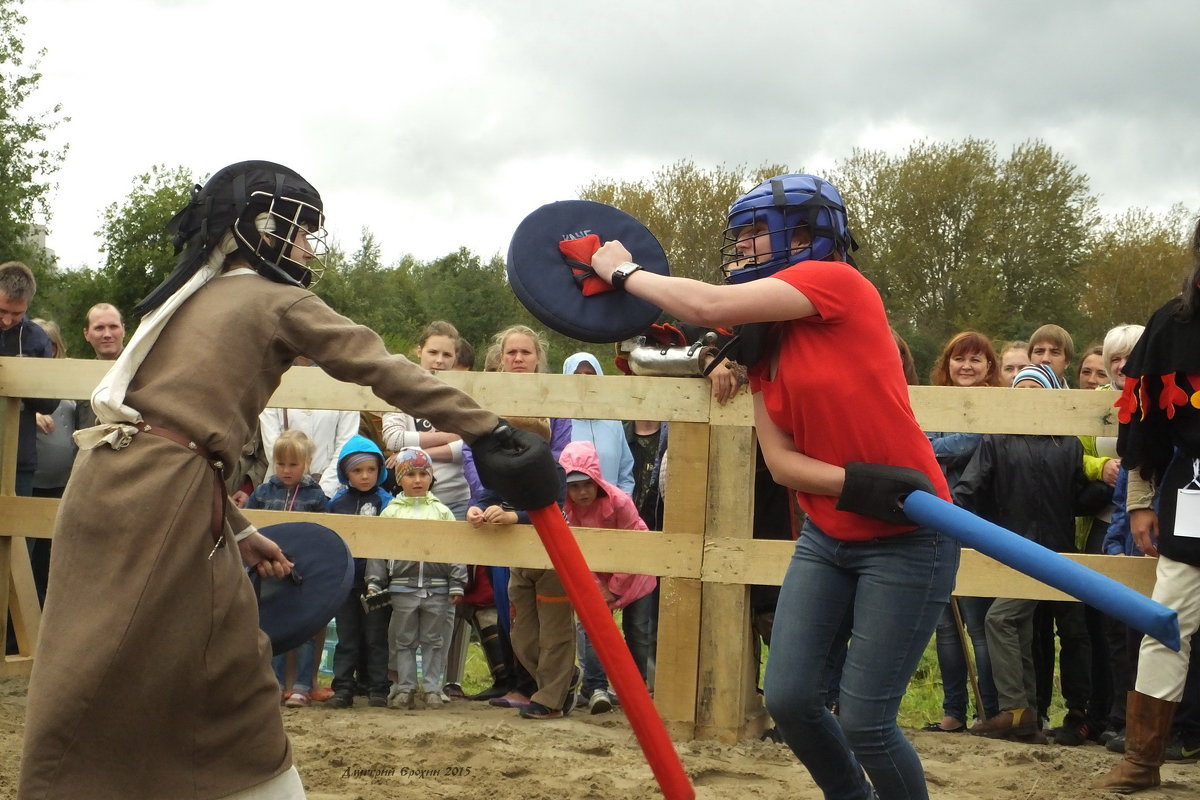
(152, 679)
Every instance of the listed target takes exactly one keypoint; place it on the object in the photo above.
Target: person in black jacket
(19, 337)
(1159, 445)
(1033, 485)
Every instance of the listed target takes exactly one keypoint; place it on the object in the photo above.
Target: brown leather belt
(218, 468)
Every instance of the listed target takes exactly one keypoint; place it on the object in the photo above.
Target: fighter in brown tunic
(152, 679)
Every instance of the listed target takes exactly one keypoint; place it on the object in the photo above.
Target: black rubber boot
(498, 652)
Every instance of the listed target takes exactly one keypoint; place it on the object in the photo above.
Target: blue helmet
(785, 203)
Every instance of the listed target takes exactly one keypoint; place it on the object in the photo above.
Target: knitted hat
(354, 459)
(1040, 373)
(412, 459)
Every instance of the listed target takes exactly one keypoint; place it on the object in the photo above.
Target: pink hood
(612, 508)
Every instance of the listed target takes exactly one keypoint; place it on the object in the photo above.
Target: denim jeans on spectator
(637, 623)
(305, 657)
(883, 597)
(953, 663)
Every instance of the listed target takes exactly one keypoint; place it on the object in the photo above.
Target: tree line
(955, 234)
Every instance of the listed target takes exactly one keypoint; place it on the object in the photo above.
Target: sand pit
(475, 752)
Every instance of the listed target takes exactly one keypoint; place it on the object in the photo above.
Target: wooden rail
(704, 554)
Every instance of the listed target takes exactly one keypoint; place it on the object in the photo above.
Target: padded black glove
(876, 490)
(518, 465)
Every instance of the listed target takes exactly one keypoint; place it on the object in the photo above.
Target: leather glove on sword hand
(878, 490)
(517, 464)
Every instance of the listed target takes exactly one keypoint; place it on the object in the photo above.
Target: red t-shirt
(840, 390)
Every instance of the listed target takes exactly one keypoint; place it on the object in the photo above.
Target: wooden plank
(734, 560)
(10, 416)
(725, 559)
(938, 408)
(675, 554)
(567, 396)
(32, 517)
(1070, 411)
(22, 598)
(6, 582)
(727, 671)
(16, 667)
(679, 620)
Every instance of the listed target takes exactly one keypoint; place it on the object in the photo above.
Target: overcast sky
(442, 123)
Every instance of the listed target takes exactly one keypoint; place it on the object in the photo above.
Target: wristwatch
(622, 273)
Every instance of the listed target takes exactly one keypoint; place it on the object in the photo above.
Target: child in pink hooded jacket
(592, 502)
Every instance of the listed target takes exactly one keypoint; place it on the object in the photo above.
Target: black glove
(518, 465)
(877, 490)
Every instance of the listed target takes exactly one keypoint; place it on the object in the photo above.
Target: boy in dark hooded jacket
(362, 636)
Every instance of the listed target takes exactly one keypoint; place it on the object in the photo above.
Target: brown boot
(1013, 722)
(1147, 728)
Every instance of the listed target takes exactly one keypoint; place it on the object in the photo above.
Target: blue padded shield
(544, 284)
(292, 610)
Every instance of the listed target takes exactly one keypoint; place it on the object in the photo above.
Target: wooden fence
(705, 664)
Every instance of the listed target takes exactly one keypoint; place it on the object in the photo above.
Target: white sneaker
(433, 699)
(402, 698)
(600, 702)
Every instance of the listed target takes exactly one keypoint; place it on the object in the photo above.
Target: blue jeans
(305, 656)
(953, 664)
(883, 597)
(638, 624)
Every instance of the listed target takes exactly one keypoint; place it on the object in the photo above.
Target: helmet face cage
(268, 230)
(779, 207)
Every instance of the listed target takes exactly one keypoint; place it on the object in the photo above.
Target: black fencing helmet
(267, 206)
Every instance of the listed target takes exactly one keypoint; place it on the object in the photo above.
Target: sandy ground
(476, 752)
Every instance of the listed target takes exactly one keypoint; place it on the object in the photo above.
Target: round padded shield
(291, 611)
(545, 285)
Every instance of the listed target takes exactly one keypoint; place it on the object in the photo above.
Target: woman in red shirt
(834, 423)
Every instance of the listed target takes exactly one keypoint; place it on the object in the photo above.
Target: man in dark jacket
(1033, 485)
(20, 337)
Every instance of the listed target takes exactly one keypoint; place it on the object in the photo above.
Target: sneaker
(1075, 730)
(1116, 744)
(539, 711)
(400, 698)
(433, 699)
(1178, 751)
(297, 699)
(342, 698)
(377, 700)
(453, 691)
(599, 702)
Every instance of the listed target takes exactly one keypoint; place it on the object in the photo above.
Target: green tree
(470, 293)
(1135, 262)
(138, 251)
(65, 295)
(27, 161)
(686, 208)
(362, 288)
(956, 237)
